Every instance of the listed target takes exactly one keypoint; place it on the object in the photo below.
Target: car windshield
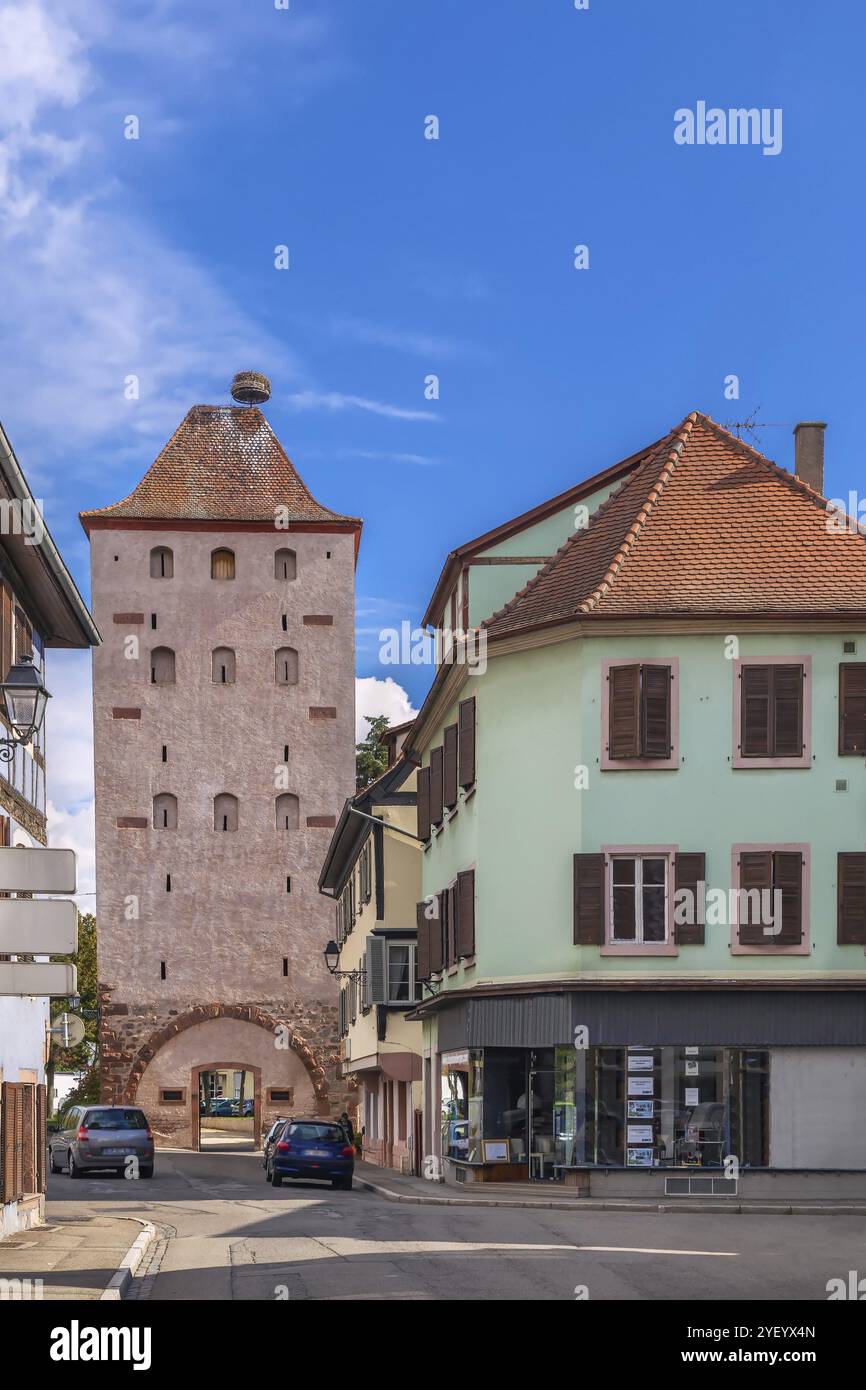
(317, 1134)
(115, 1119)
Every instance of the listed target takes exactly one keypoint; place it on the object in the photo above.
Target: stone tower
(223, 699)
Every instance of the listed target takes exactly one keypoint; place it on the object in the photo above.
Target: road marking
(345, 1247)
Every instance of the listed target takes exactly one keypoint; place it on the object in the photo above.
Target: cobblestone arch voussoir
(246, 1013)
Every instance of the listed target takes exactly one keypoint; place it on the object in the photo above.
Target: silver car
(101, 1136)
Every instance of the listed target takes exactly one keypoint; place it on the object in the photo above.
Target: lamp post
(332, 961)
(25, 699)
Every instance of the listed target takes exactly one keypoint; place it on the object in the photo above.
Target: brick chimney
(809, 453)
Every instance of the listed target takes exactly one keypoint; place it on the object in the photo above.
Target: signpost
(37, 870)
(36, 977)
(37, 926)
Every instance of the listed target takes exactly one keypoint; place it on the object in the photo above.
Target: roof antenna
(250, 388)
(750, 425)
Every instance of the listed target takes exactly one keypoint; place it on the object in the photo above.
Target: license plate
(317, 1153)
(117, 1152)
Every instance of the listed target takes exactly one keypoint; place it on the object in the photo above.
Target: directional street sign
(25, 977)
(38, 927)
(37, 870)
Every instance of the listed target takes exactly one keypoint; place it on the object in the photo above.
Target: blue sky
(261, 126)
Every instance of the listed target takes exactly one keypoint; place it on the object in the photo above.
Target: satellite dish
(68, 1030)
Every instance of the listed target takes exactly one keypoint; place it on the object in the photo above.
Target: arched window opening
(285, 564)
(288, 811)
(225, 812)
(286, 666)
(223, 666)
(161, 562)
(165, 811)
(222, 564)
(162, 666)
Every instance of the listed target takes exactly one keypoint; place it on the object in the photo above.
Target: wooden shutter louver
(466, 913)
(787, 711)
(788, 877)
(6, 630)
(41, 1136)
(655, 711)
(771, 718)
(589, 900)
(437, 929)
(342, 1012)
(423, 803)
(377, 970)
(466, 742)
(852, 707)
(624, 712)
(453, 909)
(422, 954)
(12, 1140)
(756, 874)
(755, 715)
(436, 789)
(690, 874)
(449, 767)
(851, 899)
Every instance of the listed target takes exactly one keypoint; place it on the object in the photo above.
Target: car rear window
(317, 1134)
(115, 1119)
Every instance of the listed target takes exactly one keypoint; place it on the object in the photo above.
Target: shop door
(542, 1149)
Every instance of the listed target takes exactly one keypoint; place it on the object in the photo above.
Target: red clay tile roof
(223, 463)
(706, 525)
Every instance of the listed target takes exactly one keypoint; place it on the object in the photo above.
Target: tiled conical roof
(223, 463)
(704, 525)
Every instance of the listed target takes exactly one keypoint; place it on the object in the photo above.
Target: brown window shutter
(423, 807)
(690, 872)
(41, 1136)
(451, 942)
(423, 923)
(756, 872)
(623, 711)
(589, 899)
(449, 766)
(6, 630)
(655, 705)
(436, 803)
(851, 899)
(787, 721)
(788, 877)
(466, 913)
(438, 927)
(755, 709)
(28, 1138)
(852, 707)
(466, 742)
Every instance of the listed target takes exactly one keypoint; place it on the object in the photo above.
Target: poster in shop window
(640, 1158)
(640, 1134)
(640, 1109)
(640, 1086)
(641, 1063)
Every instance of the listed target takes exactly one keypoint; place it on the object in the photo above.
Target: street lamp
(25, 699)
(332, 960)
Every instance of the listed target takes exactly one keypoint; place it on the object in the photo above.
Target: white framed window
(402, 985)
(638, 899)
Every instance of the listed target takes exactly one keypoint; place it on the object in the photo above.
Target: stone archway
(244, 1013)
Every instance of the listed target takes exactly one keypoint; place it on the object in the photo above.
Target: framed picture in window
(495, 1151)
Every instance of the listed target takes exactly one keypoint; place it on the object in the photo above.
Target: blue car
(312, 1149)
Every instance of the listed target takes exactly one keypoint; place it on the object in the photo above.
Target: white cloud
(76, 830)
(404, 340)
(336, 400)
(374, 696)
(69, 728)
(377, 456)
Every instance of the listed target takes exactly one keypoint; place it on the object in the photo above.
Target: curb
(118, 1284)
(583, 1204)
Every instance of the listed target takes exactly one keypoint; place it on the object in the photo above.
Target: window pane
(654, 913)
(623, 914)
(398, 973)
(653, 870)
(623, 870)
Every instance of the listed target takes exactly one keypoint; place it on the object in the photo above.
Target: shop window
(161, 562)
(285, 564)
(225, 812)
(222, 564)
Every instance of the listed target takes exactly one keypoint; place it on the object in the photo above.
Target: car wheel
(74, 1170)
(145, 1170)
(52, 1162)
(276, 1179)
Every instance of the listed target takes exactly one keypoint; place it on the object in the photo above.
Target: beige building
(224, 747)
(374, 873)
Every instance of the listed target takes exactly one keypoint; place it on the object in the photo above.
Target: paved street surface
(226, 1234)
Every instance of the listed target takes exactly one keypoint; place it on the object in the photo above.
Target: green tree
(83, 1057)
(371, 756)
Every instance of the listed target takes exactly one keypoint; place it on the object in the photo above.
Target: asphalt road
(225, 1234)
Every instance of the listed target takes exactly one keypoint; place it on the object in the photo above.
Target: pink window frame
(638, 948)
(805, 759)
(805, 946)
(609, 764)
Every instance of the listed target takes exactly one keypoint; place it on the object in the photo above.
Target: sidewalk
(395, 1187)
(90, 1258)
